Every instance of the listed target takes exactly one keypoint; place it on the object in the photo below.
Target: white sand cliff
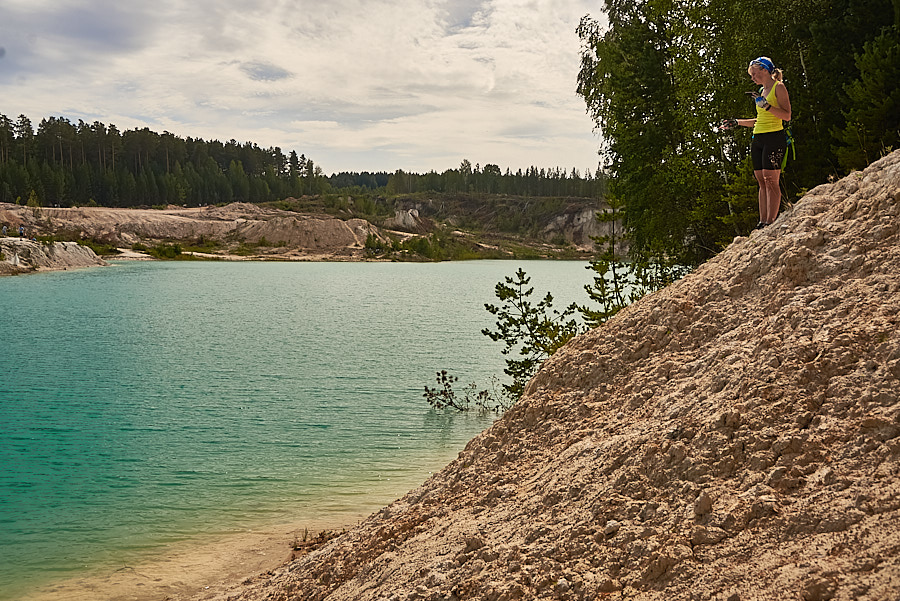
(735, 436)
(21, 255)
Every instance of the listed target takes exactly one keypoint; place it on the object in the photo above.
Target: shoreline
(22, 256)
(200, 567)
(64, 262)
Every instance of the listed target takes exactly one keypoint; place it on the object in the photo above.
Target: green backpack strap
(790, 142)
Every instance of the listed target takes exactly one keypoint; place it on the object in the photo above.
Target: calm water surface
(149, 403)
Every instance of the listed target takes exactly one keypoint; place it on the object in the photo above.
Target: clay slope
(21, 256)
(734, 436)
(228, 225)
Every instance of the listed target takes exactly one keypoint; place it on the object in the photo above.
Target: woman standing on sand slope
(773, 108)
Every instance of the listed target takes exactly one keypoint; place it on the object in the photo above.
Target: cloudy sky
(354, 84)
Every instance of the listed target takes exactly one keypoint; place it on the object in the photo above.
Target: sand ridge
(735, 436)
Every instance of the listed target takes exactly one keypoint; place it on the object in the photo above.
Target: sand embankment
(247, 231)
(21, 255)
(735, 436)
(276, 233)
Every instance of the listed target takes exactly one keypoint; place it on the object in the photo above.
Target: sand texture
(735, 436)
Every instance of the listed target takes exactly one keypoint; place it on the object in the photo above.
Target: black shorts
(767, 150)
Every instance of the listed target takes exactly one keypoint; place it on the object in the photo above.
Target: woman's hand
(729, 124)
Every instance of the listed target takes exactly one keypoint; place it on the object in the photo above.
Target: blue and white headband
(764, 62)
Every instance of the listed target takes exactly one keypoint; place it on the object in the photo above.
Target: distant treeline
(66, 164)
(489, 179)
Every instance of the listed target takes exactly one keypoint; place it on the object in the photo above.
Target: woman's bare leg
(772, 180)
(763, 196)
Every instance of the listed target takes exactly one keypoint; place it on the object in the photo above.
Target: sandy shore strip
(126, 254)
(192, 570)
(129, 255)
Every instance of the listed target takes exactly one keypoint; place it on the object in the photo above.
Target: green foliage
(620, 280)
(33, 200)
(531, 332)
(100, 248)
(445, 397)
(490, 179)
(740, 195)
(635, 102)
(658, 76)
(873, 112)
(166, 251)
(610, 288)
(245, 249)
(536, 332)
(201, 244)
(439, 245)
(377, 247)
(70, 164)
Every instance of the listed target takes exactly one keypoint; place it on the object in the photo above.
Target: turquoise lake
(149, 403)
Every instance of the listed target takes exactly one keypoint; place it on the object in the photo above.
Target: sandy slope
(284, 231)
(734, 436)
(270, 233)
(21, 255)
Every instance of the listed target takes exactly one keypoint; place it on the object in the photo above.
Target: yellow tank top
(766, 121)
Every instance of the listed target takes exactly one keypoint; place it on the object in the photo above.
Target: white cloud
(353, 84)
